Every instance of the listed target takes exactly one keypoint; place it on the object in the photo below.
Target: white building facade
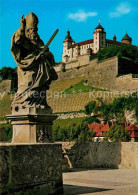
(72, 50)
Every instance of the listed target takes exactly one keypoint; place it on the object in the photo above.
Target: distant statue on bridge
(35, 65)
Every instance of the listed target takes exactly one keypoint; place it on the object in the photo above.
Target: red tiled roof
(82, 43)
(132, 127)
(95, 127)
(105, 127)
(98, 128)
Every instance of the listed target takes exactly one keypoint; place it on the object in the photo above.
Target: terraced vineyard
(62, 85)
(75, 102)
(58, 101)
(5, 106)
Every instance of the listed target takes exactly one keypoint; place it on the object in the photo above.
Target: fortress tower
(127, 39)
(99, 38)
(67, 53)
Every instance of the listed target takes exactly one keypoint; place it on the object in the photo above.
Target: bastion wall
(103, 75)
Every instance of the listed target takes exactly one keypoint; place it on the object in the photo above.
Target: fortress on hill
(72, 50)
(111, 74)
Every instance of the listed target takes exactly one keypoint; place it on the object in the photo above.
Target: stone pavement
(101, 182)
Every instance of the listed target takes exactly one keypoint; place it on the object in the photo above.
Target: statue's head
(31, 21)
(31, 26)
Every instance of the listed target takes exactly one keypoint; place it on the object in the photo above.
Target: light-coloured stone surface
(34, 168)
(103, 155)
(5, 87)
(130, 116)
(126, 82)
(100, 75)
(101, 182)
(71, 115)
(32, 128)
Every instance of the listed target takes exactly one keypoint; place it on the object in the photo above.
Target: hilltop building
(72, 50)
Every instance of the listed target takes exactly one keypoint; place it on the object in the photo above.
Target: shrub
(8, 129)
(125, 50)
(71, 130)
(116, 133)
(114, 110)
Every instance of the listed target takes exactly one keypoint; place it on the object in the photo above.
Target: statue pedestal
(31, 164)
(32, 125)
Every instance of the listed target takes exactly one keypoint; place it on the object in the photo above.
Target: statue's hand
(23, 21)
(41, 55)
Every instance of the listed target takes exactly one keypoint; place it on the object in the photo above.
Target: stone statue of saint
(35, 67)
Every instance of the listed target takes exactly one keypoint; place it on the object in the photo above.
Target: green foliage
(75, 129)
(115, 109)
(90, 107)
(116, 133)
(126, 50)
(5, 105)
(10, 74)
(91, 119)
(135, 75)
(63, 69)
(81, 88)
(84, 134)
(8, 129)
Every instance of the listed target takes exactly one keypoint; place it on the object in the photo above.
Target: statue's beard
(33, 36)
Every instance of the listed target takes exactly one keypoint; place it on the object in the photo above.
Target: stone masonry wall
(30, 169)
(5, 86)
(100, 75)
(103, 75)
(104, 155)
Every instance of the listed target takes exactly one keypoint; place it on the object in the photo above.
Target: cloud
(81, 16)
(122, 9)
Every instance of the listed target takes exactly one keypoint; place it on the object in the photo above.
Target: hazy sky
(80, 16)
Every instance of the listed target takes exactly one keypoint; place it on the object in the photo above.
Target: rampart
(103, 75)
(5, 86)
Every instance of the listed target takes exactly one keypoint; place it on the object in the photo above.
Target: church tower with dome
(72, 50)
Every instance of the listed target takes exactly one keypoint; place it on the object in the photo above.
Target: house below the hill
(101, 129)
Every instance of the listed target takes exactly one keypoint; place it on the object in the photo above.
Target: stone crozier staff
(35, 65)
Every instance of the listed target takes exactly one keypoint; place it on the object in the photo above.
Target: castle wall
(100, 75)
(5, 86)
(127, 83)
(58, 67)
(103, 75)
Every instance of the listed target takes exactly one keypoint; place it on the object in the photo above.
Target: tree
(116, 133)
(90, 107)
(120, 51)
(10, 74)
(85, 134)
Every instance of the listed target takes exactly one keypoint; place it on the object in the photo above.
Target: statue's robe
(34, 75)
